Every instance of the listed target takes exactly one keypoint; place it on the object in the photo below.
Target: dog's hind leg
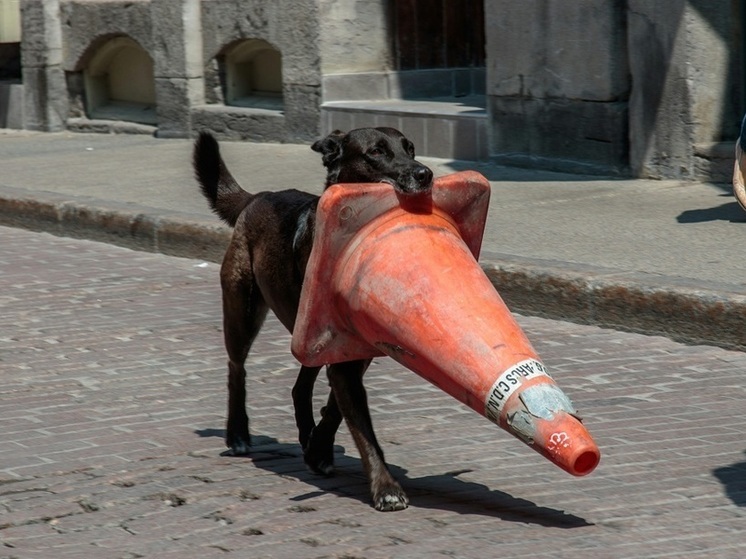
(244, 312)
(317, 441)
(318, 453)
(303, 402)
(346, 380)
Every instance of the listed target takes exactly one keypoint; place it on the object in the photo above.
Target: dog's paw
(319, 463)
(393, 498)
(238, 446)
(321, 468)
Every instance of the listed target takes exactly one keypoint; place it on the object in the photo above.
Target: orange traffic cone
(398, 275)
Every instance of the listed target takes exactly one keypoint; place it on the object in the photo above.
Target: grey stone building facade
(632, 87)
(645, 87)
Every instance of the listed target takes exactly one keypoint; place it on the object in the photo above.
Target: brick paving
(112, 399)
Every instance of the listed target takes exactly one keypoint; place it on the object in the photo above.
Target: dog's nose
(423, 176)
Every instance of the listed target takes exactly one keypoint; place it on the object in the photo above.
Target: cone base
(320, 336)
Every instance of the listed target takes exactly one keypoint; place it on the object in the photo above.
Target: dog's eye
(376, 152)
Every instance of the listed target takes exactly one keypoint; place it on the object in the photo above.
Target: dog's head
(373, 155)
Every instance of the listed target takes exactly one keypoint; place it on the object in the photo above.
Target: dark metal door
(438, 33)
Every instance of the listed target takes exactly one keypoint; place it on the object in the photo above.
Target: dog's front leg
(346, 380)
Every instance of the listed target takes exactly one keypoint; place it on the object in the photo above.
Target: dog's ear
(330, 147)
(408, 147)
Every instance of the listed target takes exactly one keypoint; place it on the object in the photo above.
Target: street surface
(112, 401)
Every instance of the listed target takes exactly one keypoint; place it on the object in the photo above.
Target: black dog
(263, 269)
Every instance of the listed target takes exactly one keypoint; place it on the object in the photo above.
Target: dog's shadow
(444, 492)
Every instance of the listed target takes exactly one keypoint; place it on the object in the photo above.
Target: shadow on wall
(654, 69)
(735, 104)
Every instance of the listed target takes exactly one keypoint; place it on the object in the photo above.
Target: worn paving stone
(112, 401)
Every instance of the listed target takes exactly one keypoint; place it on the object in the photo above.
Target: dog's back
(226, 197)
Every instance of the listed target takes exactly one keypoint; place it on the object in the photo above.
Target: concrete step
(713, 162)
(444, 127)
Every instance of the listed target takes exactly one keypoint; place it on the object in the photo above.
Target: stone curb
(633, 302)
(122, 224)
(636, 302)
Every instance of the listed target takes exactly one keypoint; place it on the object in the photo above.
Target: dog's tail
(225, 195)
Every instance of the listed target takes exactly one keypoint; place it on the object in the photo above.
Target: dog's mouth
(413, 190)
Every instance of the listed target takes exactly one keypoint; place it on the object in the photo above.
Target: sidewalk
(663, 257)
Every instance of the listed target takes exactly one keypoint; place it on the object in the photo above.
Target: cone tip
(585, 462)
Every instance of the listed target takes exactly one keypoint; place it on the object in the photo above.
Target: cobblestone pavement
(112, 398)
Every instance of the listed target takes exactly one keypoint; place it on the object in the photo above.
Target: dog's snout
(423, 176)
(417, 178)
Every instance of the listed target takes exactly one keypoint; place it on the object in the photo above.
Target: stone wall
(606, 86)
(185, 40)
(684, 64)
(620, 86)
(557, 81)
(353, 36)
(45, 97)
(291, 26)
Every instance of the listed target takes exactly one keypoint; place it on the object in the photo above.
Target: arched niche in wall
(119, 82)
(252, 75)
